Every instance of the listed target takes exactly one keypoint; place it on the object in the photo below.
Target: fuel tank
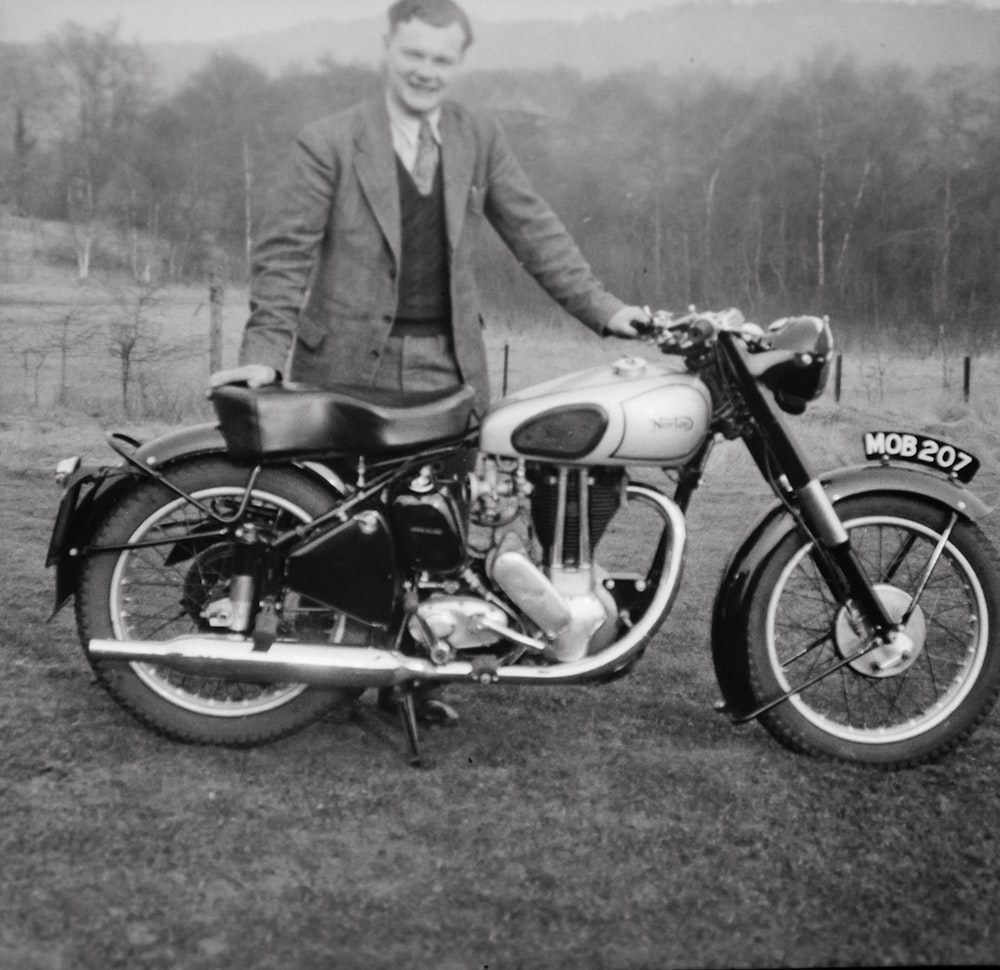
(625, 413)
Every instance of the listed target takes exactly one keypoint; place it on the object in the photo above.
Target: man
(364, 268)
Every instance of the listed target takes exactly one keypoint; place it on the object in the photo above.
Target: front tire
(161, 591)
(901, 705)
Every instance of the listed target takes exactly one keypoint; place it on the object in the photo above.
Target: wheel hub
(888, 659)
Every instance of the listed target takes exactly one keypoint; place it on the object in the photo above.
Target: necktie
(425, 164)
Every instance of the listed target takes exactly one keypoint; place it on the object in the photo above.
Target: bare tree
(73, 332)
(136, 338)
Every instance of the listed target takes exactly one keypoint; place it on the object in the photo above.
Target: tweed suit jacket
(326, 262)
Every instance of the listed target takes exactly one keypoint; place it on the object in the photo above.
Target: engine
(531, 531)
(571, 508)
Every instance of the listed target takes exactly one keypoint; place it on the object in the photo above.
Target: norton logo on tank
(673, 423)
(666, 420)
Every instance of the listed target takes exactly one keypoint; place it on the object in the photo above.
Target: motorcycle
(235, 581)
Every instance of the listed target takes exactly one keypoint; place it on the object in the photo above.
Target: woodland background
(813, 178)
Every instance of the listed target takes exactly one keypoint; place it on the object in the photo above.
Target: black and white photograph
(499, 484)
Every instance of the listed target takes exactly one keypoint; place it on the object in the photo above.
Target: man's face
(420, 63)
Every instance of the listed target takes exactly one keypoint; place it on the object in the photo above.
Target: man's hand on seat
(253, 375)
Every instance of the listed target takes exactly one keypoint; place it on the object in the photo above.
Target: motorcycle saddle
(281, 420)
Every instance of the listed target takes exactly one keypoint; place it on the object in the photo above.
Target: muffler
(235, 658)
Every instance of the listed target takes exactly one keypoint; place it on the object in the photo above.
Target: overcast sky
(149, 21)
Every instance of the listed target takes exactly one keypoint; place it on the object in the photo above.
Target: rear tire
(161, 591)
(896, 707)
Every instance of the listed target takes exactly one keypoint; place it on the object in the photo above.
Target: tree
(135, 334)
(25, 99)
(223, 111)
(105, 86)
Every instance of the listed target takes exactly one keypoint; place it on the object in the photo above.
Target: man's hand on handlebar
(253, 375)
(629, 322)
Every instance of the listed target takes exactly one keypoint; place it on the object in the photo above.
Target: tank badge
(674, 423)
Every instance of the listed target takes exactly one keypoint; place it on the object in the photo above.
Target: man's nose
(425, 69)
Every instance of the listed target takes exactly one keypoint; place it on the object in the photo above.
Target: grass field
(626, 826)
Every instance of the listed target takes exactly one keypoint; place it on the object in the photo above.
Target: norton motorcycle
(235, 581)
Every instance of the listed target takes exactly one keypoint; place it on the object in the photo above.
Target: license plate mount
(919, 449)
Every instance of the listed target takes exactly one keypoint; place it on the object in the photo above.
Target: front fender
(732, 601)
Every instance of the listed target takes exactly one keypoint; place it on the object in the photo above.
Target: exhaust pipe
(234, 657)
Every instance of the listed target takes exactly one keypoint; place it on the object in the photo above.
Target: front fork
(782, 463)
(848, 581)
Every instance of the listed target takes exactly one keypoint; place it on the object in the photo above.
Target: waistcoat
(423, 292)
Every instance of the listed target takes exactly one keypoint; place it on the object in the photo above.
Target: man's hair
(437, 13)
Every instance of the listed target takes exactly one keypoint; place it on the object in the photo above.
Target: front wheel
(166, 582)
(901, 704)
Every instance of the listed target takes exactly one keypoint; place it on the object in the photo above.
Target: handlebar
(691, 334)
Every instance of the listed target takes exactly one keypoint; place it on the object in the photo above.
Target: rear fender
(199, 439)
(206, 439)
(739, 579)
(92, 492)
(87, 499)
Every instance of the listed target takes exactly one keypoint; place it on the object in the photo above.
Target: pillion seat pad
(293, 419)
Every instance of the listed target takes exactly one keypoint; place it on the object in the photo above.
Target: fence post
(216, 297)
(838, 376)
(966, 378)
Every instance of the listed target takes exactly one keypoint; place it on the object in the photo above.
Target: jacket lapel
(375, 166)
(458, 156)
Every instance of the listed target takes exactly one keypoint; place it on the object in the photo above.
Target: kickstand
(408, 714)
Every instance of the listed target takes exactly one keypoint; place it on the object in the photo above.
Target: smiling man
(363, 270)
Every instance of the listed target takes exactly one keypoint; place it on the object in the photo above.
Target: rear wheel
(178, 580)
(903, 703)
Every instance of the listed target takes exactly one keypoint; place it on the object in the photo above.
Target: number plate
(921, 450)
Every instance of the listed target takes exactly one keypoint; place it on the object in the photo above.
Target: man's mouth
(422, 88)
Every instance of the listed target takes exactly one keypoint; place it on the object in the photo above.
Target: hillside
(734, 40)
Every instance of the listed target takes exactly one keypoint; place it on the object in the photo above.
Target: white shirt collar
(406, 130)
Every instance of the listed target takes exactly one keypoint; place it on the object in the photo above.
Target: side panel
(350, 568)
(732, 600)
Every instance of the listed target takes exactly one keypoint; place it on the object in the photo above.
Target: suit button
(374, 355)
(387, 318)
